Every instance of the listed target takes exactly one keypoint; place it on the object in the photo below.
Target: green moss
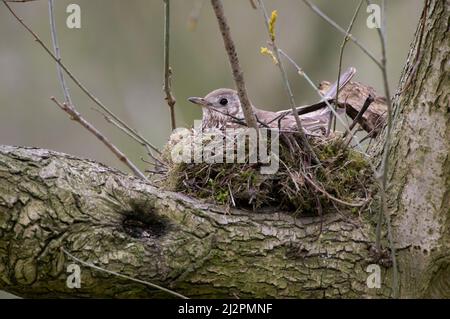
(344, 174)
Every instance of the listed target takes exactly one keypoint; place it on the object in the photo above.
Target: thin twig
(236, 119)
(307, 147)
(241, 121)
(369, 145)
(323, 98)
(341, 55)
(160, 169)
(231, 195)
(132, 131)
(371, 134)
(384, 168)
(126, 132)
(167, 69)
(384, 163)
(76, 116)
(361, 112)
(340, 29)
(57, 51)
(337, 200)
(78, 260)
(234, 62)
(153, 171)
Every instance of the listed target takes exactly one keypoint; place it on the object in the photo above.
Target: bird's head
(217, 105)
(223, 100)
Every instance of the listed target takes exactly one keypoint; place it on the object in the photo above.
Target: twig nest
(344, 175)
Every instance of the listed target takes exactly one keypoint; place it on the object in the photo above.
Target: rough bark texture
(50, 200)
(420, 157)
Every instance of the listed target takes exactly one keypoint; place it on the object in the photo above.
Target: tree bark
(420, 159)
(50, 201)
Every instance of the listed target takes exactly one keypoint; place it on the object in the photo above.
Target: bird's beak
(198, 100)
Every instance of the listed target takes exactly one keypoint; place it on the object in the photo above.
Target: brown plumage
(222, 109)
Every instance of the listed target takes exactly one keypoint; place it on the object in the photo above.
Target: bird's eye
(223, 101)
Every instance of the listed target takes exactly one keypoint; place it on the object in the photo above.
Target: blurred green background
(118, 55)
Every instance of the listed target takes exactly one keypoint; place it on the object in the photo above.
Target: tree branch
(167, 69)
(304, 141)
(340, 29)
(238, 75)
(123, 224)
(341, 56)
(137, 136)
(57, 51)
(76, 116)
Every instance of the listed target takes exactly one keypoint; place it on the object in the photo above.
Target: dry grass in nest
(344, 179)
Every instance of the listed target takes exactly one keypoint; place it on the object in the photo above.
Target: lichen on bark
(51, 200)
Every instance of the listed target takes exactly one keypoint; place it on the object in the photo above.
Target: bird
(222, 109)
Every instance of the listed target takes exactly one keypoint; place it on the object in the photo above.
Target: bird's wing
(344, 79)
(312, 123)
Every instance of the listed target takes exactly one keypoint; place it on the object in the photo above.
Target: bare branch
(125, 131)
(132, 131)
(384, 168)
(337, 200)
(20, 1)
(234, 62)
(307, 147)
(167, 69)
(323, 98)
(171, 292)
(341, 55)
(76, 116)
(358, 117)
(57, 51)
(340, 29)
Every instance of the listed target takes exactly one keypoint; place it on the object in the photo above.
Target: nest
(343, 177)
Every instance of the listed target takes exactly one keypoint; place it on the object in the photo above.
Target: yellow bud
(266, 51)
(272, 21)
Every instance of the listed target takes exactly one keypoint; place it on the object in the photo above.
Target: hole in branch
(143, 224)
